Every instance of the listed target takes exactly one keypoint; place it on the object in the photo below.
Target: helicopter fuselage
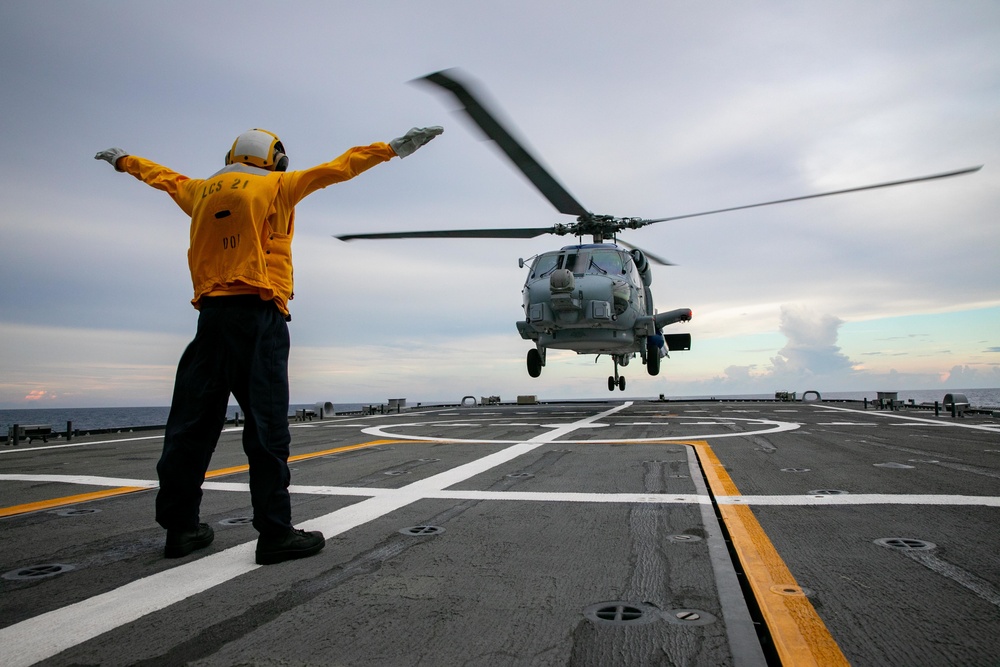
(595, 299)
(586, 298)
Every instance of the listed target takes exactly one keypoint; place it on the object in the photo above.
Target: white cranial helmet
(259, 148)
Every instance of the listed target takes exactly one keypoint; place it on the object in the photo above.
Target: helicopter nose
(561, 286)
(561, 280)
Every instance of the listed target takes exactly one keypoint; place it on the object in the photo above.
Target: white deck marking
(768, 426)
(87, 480)
(439, 491)
(15, 450)
(845, 424)
(936, 422)
(49, 634)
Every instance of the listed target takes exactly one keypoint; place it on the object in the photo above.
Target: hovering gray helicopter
(589, 298)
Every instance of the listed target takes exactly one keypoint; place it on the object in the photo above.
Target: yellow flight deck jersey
(242, 219)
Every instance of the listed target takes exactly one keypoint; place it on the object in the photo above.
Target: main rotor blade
(522, 159)
(650, 256)
(947, 174)
(514, 233)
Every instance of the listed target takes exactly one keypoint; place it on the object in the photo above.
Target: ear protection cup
(280, 159)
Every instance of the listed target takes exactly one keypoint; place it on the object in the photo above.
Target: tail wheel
(534, 362)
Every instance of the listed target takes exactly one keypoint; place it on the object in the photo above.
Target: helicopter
(590, 298)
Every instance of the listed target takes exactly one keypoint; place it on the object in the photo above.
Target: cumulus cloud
(971, 376)
(811, 349)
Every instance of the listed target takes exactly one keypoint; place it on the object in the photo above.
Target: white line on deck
(893, 415)
(440, 491)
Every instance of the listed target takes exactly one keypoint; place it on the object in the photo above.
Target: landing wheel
(611, 383)
(534, 362)
(653, 361)
(621, 383)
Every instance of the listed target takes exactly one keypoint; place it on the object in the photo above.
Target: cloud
(811, 349)
(969, 376)
(39, 394)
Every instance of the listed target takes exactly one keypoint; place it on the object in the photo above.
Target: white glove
(111, 156)
(414, 139)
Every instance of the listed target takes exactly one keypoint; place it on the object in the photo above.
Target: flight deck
(591, 533)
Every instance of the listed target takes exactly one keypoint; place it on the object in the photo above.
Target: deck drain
(236, 521)
(684, 538)
(688, 617)
(75, 511)
(827, 492)
(905, 544)
(792, 591)
(795, 470)
(622, 613)
(420, 531)
(33, 572)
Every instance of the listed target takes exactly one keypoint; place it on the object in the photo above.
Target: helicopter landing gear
(653, 360)
(535, 362)
(616, 380)
(653, 363)
(653, 345)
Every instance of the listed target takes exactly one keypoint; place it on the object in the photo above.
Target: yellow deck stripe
(800, 637)
(68, 500)
(122, 490)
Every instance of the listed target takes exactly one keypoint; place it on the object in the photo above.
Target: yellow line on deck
(800, 637)
(67, 500)
(54, 503)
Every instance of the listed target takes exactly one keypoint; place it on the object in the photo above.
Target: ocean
(85, 419)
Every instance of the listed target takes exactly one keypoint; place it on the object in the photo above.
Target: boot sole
(181, 550)
(274, 557)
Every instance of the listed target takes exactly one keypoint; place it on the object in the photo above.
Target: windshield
(582, 261)
(546, 264)
(606, 262)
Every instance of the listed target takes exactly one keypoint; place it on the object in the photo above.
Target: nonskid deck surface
(621, 533)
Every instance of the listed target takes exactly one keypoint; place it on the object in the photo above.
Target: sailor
(242, 223)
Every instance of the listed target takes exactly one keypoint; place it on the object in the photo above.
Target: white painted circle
(391, 431)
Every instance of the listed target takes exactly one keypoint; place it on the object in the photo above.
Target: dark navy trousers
(240, 348)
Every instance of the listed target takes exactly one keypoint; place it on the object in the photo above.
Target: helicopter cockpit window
(633, 272)
(606, 262)
(571, 261)
(545, 264)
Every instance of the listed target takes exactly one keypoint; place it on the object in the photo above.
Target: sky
(640, 108)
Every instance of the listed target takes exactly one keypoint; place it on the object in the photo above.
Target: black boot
(294, 544)
(182, 542)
